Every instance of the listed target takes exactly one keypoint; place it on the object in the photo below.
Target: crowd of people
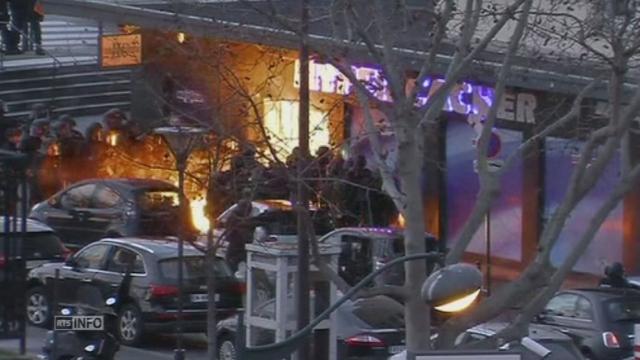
(347, 188)
(49, 142)
(20, 24)
(59, 155)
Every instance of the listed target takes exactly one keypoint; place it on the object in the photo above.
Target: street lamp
(181, 141)
(452, 288)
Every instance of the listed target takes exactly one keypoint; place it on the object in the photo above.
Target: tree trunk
(417, 320)
(212, 333)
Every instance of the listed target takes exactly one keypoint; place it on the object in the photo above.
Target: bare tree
(529, 30)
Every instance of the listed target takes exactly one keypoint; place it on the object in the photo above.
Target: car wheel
(38, 307)
(226, 348)
(130, 325)
(587, 354)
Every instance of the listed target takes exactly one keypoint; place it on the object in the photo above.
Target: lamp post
(181, 141)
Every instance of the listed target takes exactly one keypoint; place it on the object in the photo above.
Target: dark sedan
(600, 320)
(90, 210)
(152, 303)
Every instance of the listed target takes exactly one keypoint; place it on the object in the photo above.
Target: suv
(41, 244)
(152, 302)
(366, 249)
(90, 210)
(600, 320)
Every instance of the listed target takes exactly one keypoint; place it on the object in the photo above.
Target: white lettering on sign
(465, 98)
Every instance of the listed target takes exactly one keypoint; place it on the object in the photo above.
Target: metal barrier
(13, 191)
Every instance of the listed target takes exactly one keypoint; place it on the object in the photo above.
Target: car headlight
(90, 348)
(65, 312)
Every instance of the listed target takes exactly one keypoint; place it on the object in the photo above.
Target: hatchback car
(153, 299)
(370, 328)
(90, 210)
(600, 320)
(366, 249)
(542, 342)
(39, 245)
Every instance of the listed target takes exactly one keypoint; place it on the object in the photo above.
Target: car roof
(373, 232)
(536, 331)
(161, 247)
(130, 183)
(32, 225)
(604, 293)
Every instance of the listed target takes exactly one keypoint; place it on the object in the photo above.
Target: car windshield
(380, 312)
(194, 268)
(38, 245)
(397, 246)
(281, 222)
(623, 309)
(158, 200)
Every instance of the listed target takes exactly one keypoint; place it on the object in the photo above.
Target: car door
(69, 215)
(356, 258)
(117, 262)
(561, 313)
(583, 325)
(78, 282)
(105, 211)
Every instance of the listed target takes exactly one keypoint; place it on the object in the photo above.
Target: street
(156, 347)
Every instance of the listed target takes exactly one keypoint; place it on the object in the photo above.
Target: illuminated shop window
(281, 124)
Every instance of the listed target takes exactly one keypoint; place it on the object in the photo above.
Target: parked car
(277, 219)
(90, 210)
(600, 320)
(41, 244)
(152, 304)
(543, 342)
(366, 249)
(370, 328)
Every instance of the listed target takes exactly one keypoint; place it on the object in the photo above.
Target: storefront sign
(121, 50)
(465, 98)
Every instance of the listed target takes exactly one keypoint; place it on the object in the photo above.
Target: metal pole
(303, 138)
(23, 231)
(488, 250)
(179, 352)
(54, 308)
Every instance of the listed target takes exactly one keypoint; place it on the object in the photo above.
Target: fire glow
(149, 158)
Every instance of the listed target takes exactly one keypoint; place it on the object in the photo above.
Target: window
(562, 305)
(194, 267)
(78, 197)
(38, 245)
(92, 257)
(158, 200)
(583, 309)
(106, 198)
(623, 310)
(281, 125)
(355, 260)
(122, 258)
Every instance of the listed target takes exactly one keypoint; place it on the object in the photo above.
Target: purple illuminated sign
(469, 99)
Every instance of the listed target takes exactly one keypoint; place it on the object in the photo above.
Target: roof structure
(247, 21)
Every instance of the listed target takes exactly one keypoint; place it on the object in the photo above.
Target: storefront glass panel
(462, 188)
(606, 247)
